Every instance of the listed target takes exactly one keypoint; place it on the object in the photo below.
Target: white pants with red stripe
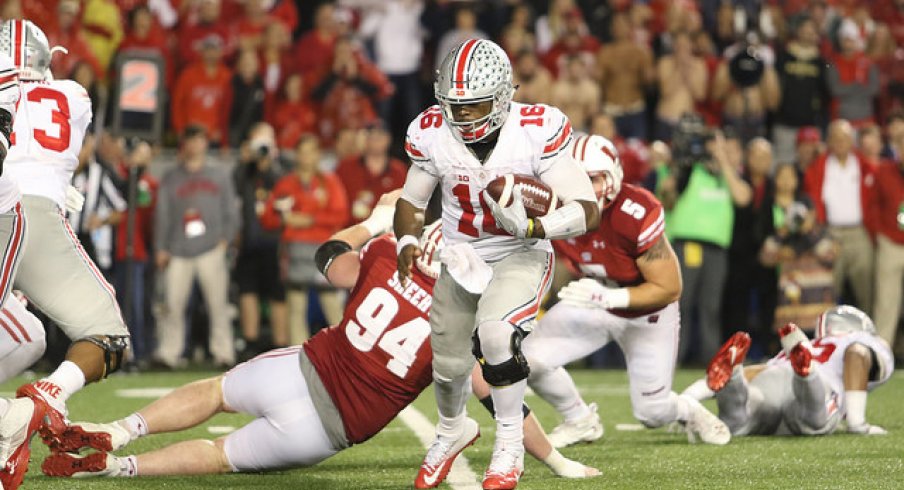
(287, 432)
(22, 340)
(650, 342)
(60, 279)
(13, 238)
(513, 296)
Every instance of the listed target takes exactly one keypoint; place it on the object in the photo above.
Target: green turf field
(648, 459)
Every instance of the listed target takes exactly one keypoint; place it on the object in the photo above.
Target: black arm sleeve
(327, 252)
(6, 127)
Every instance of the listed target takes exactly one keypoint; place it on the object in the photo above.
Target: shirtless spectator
(532, 79)
(625, 69)
(518, 34)
(682, 83)
(576, 93)
(745, 104)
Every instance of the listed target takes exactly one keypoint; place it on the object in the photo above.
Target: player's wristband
(618, 298)
(530, 228)
(404, 242)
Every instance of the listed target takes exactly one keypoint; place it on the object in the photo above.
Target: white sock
(855, 404)
(4, 406)
(135, 424)
(508, 402)
(684, 406)
(699, 391)
(451, 397)
(564, 467)
(69, 377)
(128, 466)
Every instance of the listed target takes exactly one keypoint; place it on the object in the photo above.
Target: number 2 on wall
(58, 116)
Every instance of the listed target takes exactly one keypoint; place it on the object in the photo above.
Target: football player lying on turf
(311, 401)
(808, 387)
(630, 295)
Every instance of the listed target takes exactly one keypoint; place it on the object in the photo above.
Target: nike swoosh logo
(430, 478)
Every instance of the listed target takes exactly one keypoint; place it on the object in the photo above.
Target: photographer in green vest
(699, 191)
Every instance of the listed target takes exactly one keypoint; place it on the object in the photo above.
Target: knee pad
(114, 347)
(508, 372)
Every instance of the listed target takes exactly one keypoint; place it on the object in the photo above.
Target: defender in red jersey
(629, 294)
(378, 357)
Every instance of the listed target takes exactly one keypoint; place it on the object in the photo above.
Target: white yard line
(143, 392)
(461, 477)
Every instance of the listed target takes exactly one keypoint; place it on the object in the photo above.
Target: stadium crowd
(289, 119)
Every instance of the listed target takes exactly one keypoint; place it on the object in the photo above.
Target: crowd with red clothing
(351, 74)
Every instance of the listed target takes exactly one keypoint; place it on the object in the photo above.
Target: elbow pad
(566, 222)
(328, 252)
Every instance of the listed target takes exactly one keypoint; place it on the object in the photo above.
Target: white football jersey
(533, 139)
(50, 124)
(829, 352)
(9, 96)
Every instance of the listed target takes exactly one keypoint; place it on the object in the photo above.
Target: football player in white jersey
(475, 134)
(629, 295)
(21, 334)
(55, 273)
(809, 387)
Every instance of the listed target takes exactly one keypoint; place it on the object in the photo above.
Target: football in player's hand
(537, 197)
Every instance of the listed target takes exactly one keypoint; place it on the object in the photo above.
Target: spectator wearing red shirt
(294, 116)
(203, 93)
(369, 176)
(275, 64)
(249, 28)
(889, 206)
(132, 263)
(209, 22)
(574, 41)
(66, 30)
(349, 92)
(853, 78)
(841, 186)
(143, 35)
(309, 206)
(314, 50)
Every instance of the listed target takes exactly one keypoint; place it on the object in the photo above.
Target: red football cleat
(796, 346)
(505, 470)
(17, 428)
(73, 465)
(441, 455)
(55, 422)
(800, 359)
(732, 353)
